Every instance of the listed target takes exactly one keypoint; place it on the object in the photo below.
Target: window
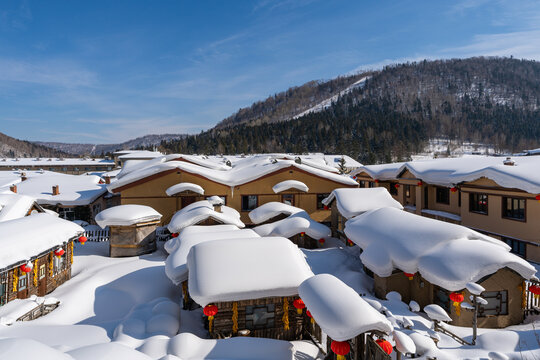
(459, 198)
(260, 317)
(249, 202)
(393, 189)
(58, 263)
(478, 203)
(41, 272)
(96, 208)
(320, 198)
(513, 208)
(371, 184)
(442, 298)
(22, 282)
(287, 199)
(497, 303)
(408, 191)
(442, 195)
(517, 247)
(362, 183)
(67, 213)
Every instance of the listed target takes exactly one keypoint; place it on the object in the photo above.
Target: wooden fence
(97, 235)
(162, 234)
(38, 311)
(532, 303)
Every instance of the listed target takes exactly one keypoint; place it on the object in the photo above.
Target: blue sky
(109, 71)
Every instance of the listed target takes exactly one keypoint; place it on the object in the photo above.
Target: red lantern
(321, 241)
(174, 235)
(457, 299)
(349, 242)
(59, 252)
(354, 177)
(302, 233)
(376, 181)
(210, 311)
(409, 275)
(82, 239)
(25, 268)
(385, 345)
(419, 183)
(454, 189)
(396, 186)
(537, 197)
(299, 305)
(535, 290)
(340, 348)
(308, 313)
(325, 207)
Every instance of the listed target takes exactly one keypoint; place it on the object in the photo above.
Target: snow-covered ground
(127, 308)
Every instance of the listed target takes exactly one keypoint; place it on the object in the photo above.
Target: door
(186, 200)
(426, 202)
(42, 282)
(2, 293)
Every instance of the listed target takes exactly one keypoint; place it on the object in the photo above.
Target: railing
(532, 303)
(38, 311)
(162, 234)
(97, 235)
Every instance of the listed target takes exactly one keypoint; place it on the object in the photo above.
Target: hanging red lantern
(308, 313)
(457, 298)
(454, 189)
(59, 252)
(409, 275)
(210, 311)
(376, 181)
(349, 242)
(535, 290)
(537, 197)
(340, 348)
(174, 235)
(419, 183)
(321, 241)
(396, 186)
(299, 305)
(354, 177)
(302, 233)
(25, 268)
(385, 345)
(82, 239)
(325, 207)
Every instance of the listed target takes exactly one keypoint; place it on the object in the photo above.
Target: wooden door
(186, 200)
(42, 282)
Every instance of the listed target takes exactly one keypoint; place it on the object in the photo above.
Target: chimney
(217, 207)
(13, 188)
(56, 190)
(509, 161)
(107, 179)
(23, 176)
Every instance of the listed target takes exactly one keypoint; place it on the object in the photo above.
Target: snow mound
(435, 312)
(270, 210)
(21, 348)
(294, 225)
(125, 215)
(107, 351)
(202, 210)
(353, 202)
(185, 186)
(288, 185)
(404, 344)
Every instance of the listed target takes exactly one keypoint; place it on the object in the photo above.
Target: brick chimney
(509, 162)
(217, 208)
(13, 188)
(56, 190)
(23, 176)
(107, 179)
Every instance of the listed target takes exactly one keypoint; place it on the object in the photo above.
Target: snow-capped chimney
(217, 208)
(13, 188)
(107, 179)
(509, 162)
(23, 176)
(56, 190)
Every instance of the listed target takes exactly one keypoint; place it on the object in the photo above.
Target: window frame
(247, 196)
(487, 295)
(504, 215)
(250, 310)
(475, 201)
(442, 195)
(22, 278)
(511, 242)
(320, 205)
(289, 196)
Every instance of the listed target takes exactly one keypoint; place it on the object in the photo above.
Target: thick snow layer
(404, 344)
(288, 185)
(75, 190)
(270, 210)
(294, 225)
(202, 210)
(29, 349)
(445, 254)
(107, 351)
(19, 163)
(522, 175)
(474, 288)
(435, 312)
(25, 238)
(339, 310)
(185, 186)
(241, 269)
(443, 214)
(187, 346)
(353, 202)
(241, 172)
(215, 200)
(176, 264)
(125, 215)
(172, 244)
(14, 206)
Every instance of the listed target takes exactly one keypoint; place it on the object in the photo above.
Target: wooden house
(37, 253)
(341, 315)
(248, 286)
(426, 260)
(132, 229)
(244, 185)
(15, 206)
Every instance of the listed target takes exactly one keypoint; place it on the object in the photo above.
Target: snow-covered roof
(242, 269)
(20, 163)
(288, 185)
(215, 200)
(27, 237)
(299, 222)
(137, 154)
(185, 186)
(339, 310)
(176, 263)
(173, 243)
(201, 210)
(75, 190)
(241, 172)
(14, 206)
(126, 215)
(270, 210)
(445, 254)
(353, 202)
(523, 175)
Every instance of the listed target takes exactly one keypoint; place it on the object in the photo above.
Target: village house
(15, 206)
(73, 197)
(349, 326)
(248, 295)
(496, 196)
(243, 184)
(37, 253)
(74, 166)
(348, 203)
(430, 261)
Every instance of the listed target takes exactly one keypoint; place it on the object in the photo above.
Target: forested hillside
(11, 147)
(487, 100)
